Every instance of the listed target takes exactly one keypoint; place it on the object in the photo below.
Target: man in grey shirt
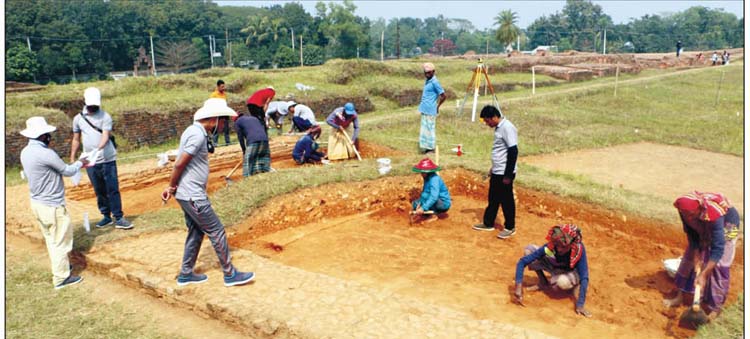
(94, 126)
(44, 170)
(188, 184)
(502, 173)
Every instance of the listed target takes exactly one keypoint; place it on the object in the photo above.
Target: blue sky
(482, 13)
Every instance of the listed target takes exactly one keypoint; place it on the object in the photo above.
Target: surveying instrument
(478, 75)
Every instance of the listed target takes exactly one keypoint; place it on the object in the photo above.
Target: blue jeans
(104, 179)
(438, 207)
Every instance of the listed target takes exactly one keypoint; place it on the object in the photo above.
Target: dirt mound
(360, 231)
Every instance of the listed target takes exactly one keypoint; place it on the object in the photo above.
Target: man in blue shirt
(433, 96)
(435, 196)
(564, 257)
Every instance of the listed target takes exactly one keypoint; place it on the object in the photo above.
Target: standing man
(433, 96)
(679, 48)
(339, 147)
(257, 104)
(93, 127)
(502, 173)
(303, 117)
(220, 93)
(45, 170)
(188, 184)
(276, 112)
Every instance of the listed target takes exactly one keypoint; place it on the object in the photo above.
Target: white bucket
(384, 162)
(384, 170)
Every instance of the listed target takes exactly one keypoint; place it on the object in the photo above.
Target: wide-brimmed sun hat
(425, 166)
(92, 97)
(214, 107)
(36, 126)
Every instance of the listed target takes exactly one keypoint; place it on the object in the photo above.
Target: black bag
(111, 136)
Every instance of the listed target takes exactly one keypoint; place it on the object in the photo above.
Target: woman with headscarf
(564, 257)
(435, 196)
(711, 225)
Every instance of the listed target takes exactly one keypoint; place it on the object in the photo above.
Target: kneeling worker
(303, 117)
(435, 198)
(306, 149)
(564, 257)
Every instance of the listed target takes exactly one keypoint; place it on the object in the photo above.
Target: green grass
(34, 309)
(729, 325)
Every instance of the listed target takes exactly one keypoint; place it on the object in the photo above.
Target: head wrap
(428, 66)
(711, 206)
(567, 234)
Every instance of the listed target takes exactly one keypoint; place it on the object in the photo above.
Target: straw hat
(214, 107)
(36, 126)
(425, 166)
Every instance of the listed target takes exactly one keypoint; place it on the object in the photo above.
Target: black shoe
(70, 280)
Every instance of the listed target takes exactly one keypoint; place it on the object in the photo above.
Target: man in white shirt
(502, 173)
(303, 117)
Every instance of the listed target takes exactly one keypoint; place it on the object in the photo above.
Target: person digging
(564, 257)
(435, 198)
(340, 147)
(188, 183)
(711, 225)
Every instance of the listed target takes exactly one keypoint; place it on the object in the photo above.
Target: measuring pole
(153, 61)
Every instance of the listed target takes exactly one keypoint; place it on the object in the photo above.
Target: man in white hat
(303, 117)
(93, 127)
(188, 185)
(276, 112)
(44, 170)
(433, 96)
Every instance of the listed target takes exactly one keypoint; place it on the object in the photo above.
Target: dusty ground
(661, 170)
(361, 232)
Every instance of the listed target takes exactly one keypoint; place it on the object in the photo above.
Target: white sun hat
(37, 126)
(214, 107)
(92, 97)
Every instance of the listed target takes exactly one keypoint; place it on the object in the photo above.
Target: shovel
(227, 177)
(694, 316)
(351, 143)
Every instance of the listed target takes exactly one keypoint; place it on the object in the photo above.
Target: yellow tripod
(479, 74)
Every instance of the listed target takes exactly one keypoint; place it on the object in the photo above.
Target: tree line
(46, 38)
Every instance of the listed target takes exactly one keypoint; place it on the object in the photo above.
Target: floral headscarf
(567, 234)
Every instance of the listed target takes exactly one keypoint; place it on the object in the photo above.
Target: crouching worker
(435, 198)
(340, 147)
(306, 149)
(564, 257)
(188, 184)
(711, 225)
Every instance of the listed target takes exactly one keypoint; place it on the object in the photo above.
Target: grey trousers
(201, 220)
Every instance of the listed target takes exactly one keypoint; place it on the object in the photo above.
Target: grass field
(679, 110)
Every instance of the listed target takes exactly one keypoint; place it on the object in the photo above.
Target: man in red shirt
(257, 104)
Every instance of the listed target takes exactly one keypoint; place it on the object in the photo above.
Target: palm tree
(508, 31)
(256, 29)
(276, 27)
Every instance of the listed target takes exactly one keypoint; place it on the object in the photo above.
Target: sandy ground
(661, 170)
(361, 232)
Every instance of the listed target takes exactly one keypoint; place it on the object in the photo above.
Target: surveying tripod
(477, 76)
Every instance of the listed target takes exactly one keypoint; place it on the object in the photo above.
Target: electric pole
(292, 39)
(153, 61)
(382, 37)
(398, 41)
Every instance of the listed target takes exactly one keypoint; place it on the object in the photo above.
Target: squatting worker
(188, 184)
(253, 138)
(306, 149)
(564, 258)
(257, 104)
(303, 117)
(433, 96)
(340, 119)
(93, 127)
(44, 170)
(220, 93)
(502, 173)
(711, 225)
(435, 196)
(276, 112)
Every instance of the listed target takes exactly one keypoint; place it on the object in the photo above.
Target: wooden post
(617, 78)
(718, 89)
(533, 81)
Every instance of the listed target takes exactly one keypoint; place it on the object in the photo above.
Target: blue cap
(349, 108)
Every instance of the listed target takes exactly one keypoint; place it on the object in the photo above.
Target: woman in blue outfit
(435, 197)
